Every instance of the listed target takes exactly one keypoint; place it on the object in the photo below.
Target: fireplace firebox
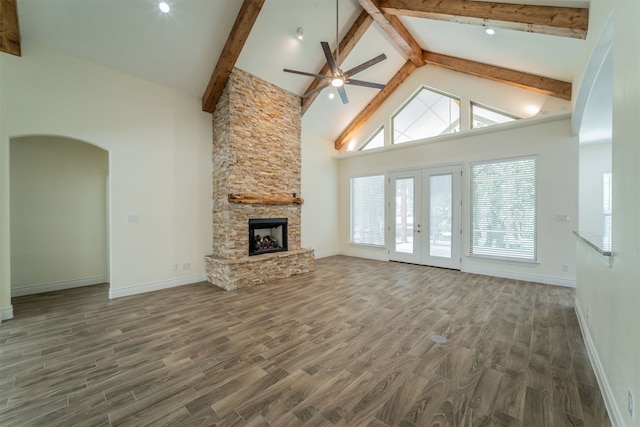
(267, 235)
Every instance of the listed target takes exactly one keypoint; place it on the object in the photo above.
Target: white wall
(612, 294)
(595, 160)
(557, 158)
(159, 144)
(320, 194)
(58, 214)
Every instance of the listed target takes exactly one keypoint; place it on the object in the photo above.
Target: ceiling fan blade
(365, 84)
(365, 65)
(343, 95)
(317, 76)
(327, 53)
(318, 89)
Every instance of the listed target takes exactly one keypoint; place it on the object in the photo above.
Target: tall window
(427, 114)
(503, 209)
(367, 210)
(482, 116)
(607, 208)
(376, 140)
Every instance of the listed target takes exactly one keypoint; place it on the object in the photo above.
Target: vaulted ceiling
(193, 47)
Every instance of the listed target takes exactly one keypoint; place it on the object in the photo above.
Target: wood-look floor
(348, 345)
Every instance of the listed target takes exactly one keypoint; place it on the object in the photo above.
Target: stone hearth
(256, 151)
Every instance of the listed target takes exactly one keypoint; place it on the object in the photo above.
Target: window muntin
(367, 210)
(482, 116)
(503, 209)
(376, 140)
(427, 114)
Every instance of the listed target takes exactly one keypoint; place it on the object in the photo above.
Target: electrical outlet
(565, 268)
(587, 312)
(186, 266)
(174, 267)
(631, 404)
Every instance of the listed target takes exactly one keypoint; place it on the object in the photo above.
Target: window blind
(367, 210)
(503, 209)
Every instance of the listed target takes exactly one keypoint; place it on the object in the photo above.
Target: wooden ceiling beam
(396, 30)
(551, 20)
(9, 28)
(375, 103)
(235, 42)
(544, 85)
(353, 36)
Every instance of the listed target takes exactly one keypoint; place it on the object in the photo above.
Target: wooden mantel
(254, 199)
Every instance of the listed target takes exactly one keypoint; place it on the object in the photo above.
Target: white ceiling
(181, 49)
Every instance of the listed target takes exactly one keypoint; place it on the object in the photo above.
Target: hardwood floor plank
(427, 402)
(349, 344)
(538, 408)
(566, 398)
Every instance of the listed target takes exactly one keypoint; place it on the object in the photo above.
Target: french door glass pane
(404, 215)
(440, 213)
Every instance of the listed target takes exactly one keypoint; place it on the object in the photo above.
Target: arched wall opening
(59, 214)
(593, 122)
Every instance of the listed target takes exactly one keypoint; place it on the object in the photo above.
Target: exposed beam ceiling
(230, 53)
(557, 21)
(560, 21)
(9, 28)
(396, 30)
(547, 86)
(539, 84)
(353, 36)
(375, 103)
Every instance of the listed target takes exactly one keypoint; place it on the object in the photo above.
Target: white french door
(425, 212)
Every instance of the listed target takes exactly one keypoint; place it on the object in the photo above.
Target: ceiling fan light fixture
(164, 7)
(337, 81)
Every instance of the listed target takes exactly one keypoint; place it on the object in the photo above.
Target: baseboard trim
(155, 286)
(378, 255)
(325, 254)
(547, 280)
(612, 408)
(6, 313)
(56, 286)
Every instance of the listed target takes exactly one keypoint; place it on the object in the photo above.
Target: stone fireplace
(256, 175)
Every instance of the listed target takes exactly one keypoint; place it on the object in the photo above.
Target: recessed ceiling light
(164, 6)
(490, 31)
(331, 95)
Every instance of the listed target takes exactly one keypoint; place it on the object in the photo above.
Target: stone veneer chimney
(256, 151)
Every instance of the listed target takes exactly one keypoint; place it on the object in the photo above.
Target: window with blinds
(503, 209)
(367, 210)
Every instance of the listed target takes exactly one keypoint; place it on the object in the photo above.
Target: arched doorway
(58, 214)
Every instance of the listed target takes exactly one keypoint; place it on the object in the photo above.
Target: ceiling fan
(339, 78)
